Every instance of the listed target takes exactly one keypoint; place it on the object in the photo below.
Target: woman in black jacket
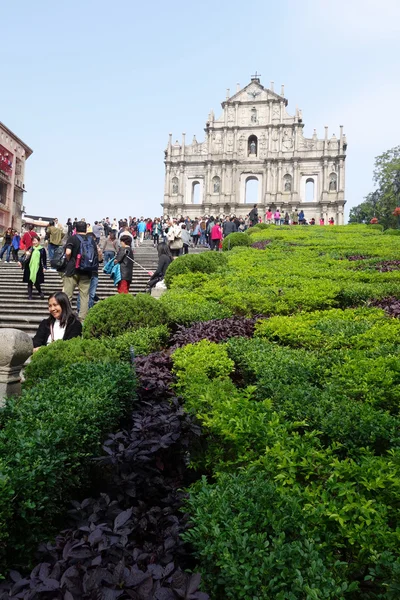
(125, 259)
(165, 258)
(62, 324)
(34, 263)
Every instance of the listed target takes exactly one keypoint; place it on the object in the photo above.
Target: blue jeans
(92, 292)
(4, 248)
(51, 248)
(108, 255)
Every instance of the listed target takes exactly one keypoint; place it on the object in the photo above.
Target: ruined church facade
(256, 140)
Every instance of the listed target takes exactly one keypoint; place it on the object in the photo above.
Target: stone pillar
(325, 176)
(341, 176)
(15, 348)
(182, 183)
(223, 179)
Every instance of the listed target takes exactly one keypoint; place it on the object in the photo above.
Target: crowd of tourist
(78, 248)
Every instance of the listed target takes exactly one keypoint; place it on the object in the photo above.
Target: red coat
(216, 232)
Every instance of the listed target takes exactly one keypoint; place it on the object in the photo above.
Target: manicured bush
(185, 308)
(206, 262)
(49, 436)
(143, 340)
(49, 359)
(116, 315)
(235, 239)
(392, 232)
(328, 329)
(251, 542)
(125, 542)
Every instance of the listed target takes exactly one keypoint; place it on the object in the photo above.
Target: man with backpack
(81, 262)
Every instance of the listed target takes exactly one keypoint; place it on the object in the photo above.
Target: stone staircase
(20, 313)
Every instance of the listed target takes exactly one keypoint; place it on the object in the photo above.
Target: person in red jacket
(26, 241)
(216, 237)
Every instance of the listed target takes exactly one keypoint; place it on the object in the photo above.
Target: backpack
(58, 261)
(87, 259)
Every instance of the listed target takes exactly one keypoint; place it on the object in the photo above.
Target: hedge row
(300, 269)
(313, 511)
(48, 437)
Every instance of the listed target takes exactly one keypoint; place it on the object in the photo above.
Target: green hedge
(392, 232)
(183, 307)
(144, 341)
(50, 359)
(206, 262)
(50, 434)
(116, 315)
(312, 505)
(235, 239)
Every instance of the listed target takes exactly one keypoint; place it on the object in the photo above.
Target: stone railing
(15, 348)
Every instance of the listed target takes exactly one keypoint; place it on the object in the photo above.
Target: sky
(94, 87)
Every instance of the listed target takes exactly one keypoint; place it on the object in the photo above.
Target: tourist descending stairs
(19, 312)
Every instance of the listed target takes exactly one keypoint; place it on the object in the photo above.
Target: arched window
(332, 182)
(287, 183)
(175, 185)
(252, 146)
(216, 185)
(195, 192)
(310, 189)
(251, 191)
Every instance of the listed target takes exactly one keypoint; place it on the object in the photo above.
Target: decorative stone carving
(275, 141)
(276, 112)
(287, 141)
(15, 348)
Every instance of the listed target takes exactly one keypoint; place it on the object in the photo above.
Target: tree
(382, 202)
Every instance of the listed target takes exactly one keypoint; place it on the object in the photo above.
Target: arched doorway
(310, 190)
(196, 192)
(251, 190)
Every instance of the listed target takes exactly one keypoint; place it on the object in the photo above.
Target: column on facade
(223, 177)
(325, 176)
(236, 114)
(182, 182)
(167, 185)
(234, 183)
(296, 178)
(207, 192)
(341, 176)
(279, 182)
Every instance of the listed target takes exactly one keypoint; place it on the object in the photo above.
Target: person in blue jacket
(16, 240)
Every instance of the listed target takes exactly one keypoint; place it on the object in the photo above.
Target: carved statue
(216, 185)
(332, 184)
(287, 140)
(275, 140)
(254, 116)
(175, 185)
(288, 185)
(253, 147)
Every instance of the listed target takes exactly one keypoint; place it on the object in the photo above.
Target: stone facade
(13, 154)
(256, 139)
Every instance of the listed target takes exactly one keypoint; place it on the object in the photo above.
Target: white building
(13, 154)
(255, 142)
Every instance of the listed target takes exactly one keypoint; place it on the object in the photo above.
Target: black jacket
(40, 273)
(124, 258)
(163, 263)
(72, 330)
(228, 227)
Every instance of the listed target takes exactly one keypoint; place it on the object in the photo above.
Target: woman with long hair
(165, 258)
(62, 324)
(34, 265)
